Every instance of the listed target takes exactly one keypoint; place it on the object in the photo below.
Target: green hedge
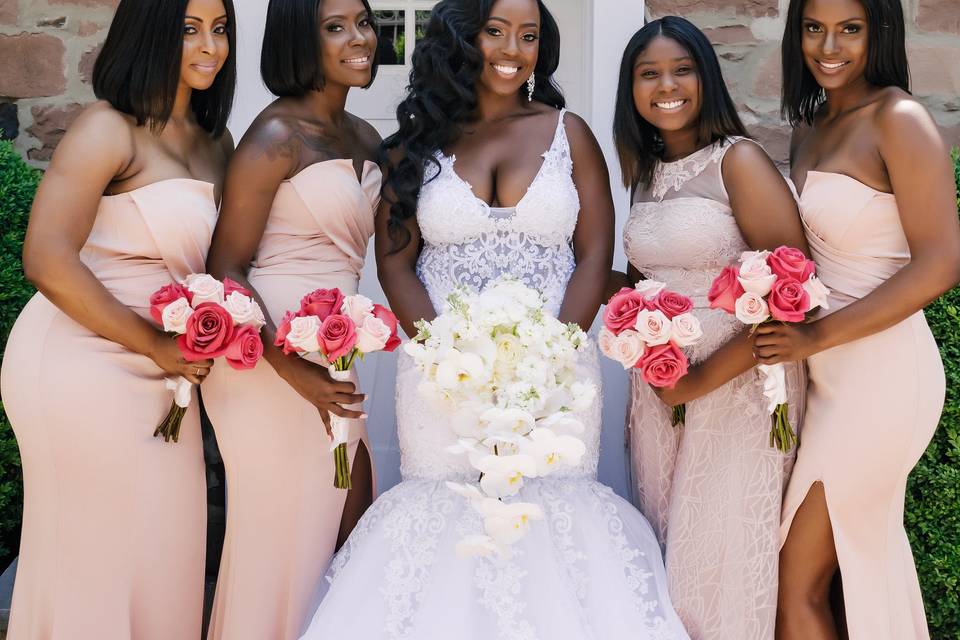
(18, 182)
(933, 496)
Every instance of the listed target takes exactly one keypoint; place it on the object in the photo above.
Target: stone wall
(47, 49)
(747, 34)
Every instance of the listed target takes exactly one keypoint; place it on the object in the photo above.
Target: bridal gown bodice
(469, 243)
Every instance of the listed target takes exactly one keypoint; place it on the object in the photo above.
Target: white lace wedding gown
(591, 570)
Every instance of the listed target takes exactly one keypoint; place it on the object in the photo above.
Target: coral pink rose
(725, 290)
(163, 297)
(622, 309)
(789, 301)
(386, 316)
(672, 304)
(229, 286)
(245, 349)
(663, 365)
(209, 333)
(787, 262)
(337, 336)
(321, 303)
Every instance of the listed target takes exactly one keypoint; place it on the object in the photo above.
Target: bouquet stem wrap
(341, 435)
(169, 427)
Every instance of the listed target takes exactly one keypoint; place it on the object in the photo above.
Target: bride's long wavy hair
(442, 97)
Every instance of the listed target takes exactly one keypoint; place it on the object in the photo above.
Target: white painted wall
(594, 33)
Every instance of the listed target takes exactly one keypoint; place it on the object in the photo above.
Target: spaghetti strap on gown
(114, 520)
(872, 408)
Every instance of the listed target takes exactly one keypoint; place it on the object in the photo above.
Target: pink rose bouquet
(338, 329)
(210, 319)
(645, 328)
(771, 286)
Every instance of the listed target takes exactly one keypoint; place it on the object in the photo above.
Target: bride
(489, 176)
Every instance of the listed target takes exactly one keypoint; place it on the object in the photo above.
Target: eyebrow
(505, 21)
(223, 17)
(680, 59)
(339, 17)
(857, 19)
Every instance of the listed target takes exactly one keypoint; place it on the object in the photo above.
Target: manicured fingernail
(363, 416)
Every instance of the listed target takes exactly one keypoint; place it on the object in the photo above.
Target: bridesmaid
(297, 215)
(877, 200)
(703, 193)
(114, 519)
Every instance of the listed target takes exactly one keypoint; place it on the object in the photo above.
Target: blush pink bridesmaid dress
(114, 520)
(872, 408)
(283, 512)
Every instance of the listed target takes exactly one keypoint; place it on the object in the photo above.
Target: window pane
(391, 37)
(423, 17)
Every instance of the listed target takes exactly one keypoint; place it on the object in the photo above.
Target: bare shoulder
(367, 134)
(101, 139)
(903, 124)
(101, 120)
(226, 143)
(746, 154)
(579, 133)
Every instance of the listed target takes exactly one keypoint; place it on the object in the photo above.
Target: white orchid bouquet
(503, 373)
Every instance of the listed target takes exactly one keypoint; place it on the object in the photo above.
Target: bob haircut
(289, 61)
(639, 145)
(138, 70)
(886, 66)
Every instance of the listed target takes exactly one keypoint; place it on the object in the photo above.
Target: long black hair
(442, 97)
(138, 70)
(886, 66)
(289, 61)
(638, 142)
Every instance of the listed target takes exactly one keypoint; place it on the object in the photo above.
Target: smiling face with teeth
(510, 44)
(666, 86)
(835, 41)
(348, 43)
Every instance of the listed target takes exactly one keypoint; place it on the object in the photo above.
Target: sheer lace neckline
(450, 162)
(674, 174)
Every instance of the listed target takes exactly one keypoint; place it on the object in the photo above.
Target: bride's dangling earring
(531, 85)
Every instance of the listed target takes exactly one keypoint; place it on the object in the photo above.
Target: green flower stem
(679, 415)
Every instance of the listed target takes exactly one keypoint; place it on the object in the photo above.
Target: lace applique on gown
(592, 569)
(711, 489)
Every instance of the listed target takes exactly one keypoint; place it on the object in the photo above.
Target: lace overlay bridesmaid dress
(283, 512)
(873, 406)
(711, 489)
(114, 521)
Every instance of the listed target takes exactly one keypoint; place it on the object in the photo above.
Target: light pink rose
(164, 296)
(752, 309)
(628, 348)
(245, 349)
(663, 365)
(202, 287)
(686, 330)
(649, 288)
(755, 276)
(725, 290)
(605, 340)
(372, 335)
(175, 316)
(337, 336)
(672, 303)
(208, 333)
(622, 309)
(789, 301)
(787, 262)
(243, 309)
(654, 327)
(321, 303)
(357, 308)
(303, 334)
(819, 294)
